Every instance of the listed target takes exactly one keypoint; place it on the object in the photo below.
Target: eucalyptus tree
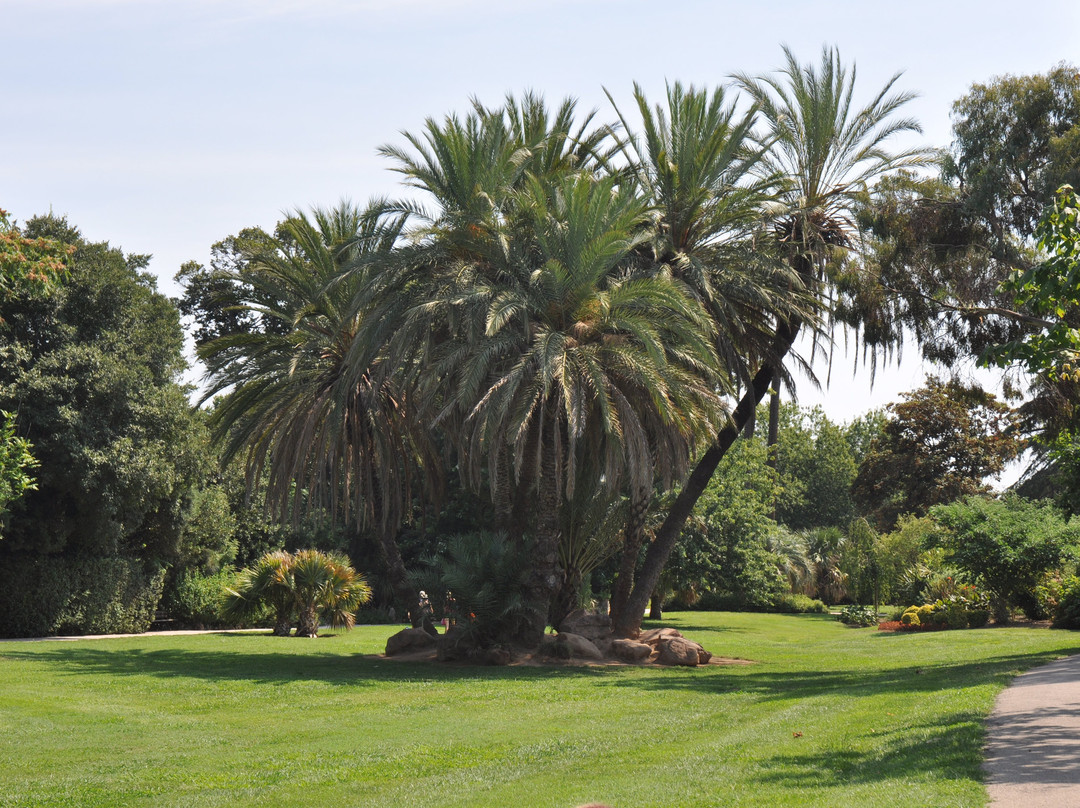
(311, 406)
(826, 152)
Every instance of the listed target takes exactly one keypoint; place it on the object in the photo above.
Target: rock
(410, 639)
(453, 646)
(580, 647)
(631, 651)
(703, 656)
(655, 635)
(678, 651)
(586, 624)
(496, 656)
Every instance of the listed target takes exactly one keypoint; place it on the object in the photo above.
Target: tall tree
(556, 349)
(939, 444)
(828, 153)
(311, 404)
(695, 161)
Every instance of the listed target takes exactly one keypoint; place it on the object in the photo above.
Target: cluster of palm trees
(566, 310)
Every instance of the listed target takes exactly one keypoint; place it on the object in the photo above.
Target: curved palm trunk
(774, 422)
(635, 535)
(628, 621)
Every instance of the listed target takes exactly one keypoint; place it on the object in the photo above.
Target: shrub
(799, 604)
(194, 599)
(855, 615)
(1067, 613)
(77, 595)
(911, 619)
(977, 618)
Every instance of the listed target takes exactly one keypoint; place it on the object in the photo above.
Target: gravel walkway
(1033, 739)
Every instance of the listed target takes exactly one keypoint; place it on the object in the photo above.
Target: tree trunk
(397, 575)
(308, 623)
(774, 422)
(635, 535)
(568, 597)
(283, 622)
(656, 607)
(629, 621)
(544, 576)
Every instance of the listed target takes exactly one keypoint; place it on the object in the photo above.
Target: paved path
(1033, 739)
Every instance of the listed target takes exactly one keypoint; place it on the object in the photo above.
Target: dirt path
(1033, 739)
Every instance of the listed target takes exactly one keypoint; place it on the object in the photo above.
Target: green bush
(855, 615)
(45, 596)
(799, 604)
(977, 618)
(194, 599)
(1067, 613)
(910, 618)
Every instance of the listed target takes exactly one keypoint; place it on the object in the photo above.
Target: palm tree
(311, 403)
(551, 346)
(826, 153)
(308, 587)
(695, 163)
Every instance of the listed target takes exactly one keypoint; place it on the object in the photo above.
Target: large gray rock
(587, 624)
(678, 651)
(410, 639)
(579, 647)
(631, 651)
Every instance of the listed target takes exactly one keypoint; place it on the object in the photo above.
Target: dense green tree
(1006, 545)
(1016, 139)
(92, 368)
(91, 364)
(938, 445)
(816, 469)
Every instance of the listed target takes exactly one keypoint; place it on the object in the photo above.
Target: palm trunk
(283, 621)
(774, 422)
(635, 535)
(568, 597)
(628, 622)
(544, 577)
(308, 624)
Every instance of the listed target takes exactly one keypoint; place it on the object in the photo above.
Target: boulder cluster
(583, 636)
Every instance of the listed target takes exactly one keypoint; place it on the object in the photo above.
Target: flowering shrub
(966, 607)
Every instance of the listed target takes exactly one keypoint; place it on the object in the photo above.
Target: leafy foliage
(16, 463)
(1006, 545)
(938, 445)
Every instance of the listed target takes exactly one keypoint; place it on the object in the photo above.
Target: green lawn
(886, 720)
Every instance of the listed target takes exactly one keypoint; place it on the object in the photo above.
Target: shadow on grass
(275, 667)
(921, 678)
(949, 749)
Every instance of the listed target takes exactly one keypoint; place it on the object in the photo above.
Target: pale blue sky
(165, 125)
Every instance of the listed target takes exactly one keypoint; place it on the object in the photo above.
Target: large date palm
(825, 152)
(556, 341)
(311, 405)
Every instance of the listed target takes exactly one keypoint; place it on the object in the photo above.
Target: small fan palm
(307, 587)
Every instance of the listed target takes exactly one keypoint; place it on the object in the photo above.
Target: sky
(163, 126)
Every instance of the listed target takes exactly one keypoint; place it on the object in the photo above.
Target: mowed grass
(237, 720)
